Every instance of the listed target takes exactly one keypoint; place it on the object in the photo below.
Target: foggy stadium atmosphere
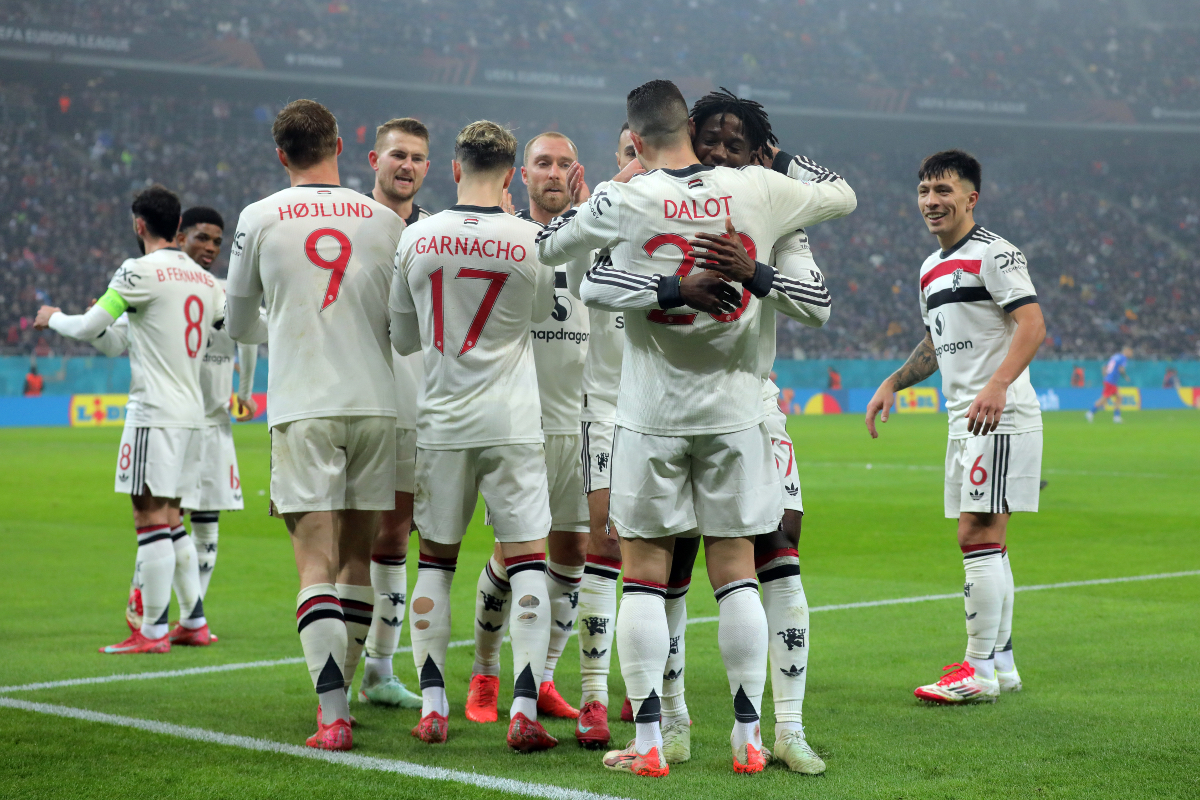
(505, 323)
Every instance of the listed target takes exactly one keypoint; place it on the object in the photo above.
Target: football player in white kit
(201, 231)
(983, 325)
(560, 345)
(173, 306)
(467, 289)
(685, 461)
(321, 257)
(401, 162)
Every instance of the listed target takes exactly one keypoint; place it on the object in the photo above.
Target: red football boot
(528, 736)
(592, 729)
(432, 728)
(191, 637)
(482, 698)
(137, 643)
(133, 609)
(551, 703)
(334, 736)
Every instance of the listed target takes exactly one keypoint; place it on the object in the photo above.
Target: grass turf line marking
(137, 676)
(371, 763)
(941, 468)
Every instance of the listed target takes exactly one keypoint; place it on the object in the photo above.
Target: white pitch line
(896, 601)
(940, 468)
(372, 763)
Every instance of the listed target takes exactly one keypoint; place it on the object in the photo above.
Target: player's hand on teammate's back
(577, 186)
(881, 403)
(983, 416)
(710, 292)
(724, 253)
(632, 168)
(42, 320)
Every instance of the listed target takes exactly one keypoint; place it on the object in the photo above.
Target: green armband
(113, 303)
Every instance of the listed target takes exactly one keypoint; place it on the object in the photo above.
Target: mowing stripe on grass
(343, 759)
(896, 601)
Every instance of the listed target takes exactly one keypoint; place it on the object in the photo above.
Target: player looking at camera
(983, 326)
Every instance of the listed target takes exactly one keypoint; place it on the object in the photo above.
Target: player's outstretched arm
(86, 326)
(983, 416)
(920, 365)
(581, 230)
(611, 289)
(814, 194)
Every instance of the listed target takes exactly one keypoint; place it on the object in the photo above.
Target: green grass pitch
(1111, 706)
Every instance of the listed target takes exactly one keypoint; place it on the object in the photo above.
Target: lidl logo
(98, 410)
(917, 400)
(1130, 398)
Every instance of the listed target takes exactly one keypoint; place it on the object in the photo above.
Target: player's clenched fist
(42, 320)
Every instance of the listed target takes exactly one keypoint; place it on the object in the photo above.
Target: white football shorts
(564, 476)
(785, 459)
(334, 463)
(161, 462)
(993, 474)
(597, 455)
(220, 483)
(723, 485)
(511, 478)
(406, 460)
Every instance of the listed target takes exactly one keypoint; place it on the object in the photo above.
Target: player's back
(1112, 369)
(475, 281)
(322, 257)
(172, 303)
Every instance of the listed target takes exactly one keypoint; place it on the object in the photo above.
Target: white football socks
(204, 537)
(786, 608)
(563, 583)
(742, 639)
(389, 580)
(357, 606)
(156, 570)
(322, 630)
(674, 704)
(597, 625)
(1004, 646)
(529, 628)
(429, 618)
(187, 580)
(983, 595)
(492, 595)
(643, 638)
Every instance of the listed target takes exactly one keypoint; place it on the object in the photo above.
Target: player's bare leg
(597, 622)
(567, 553)
(644, 641)
(981, 539)
(321, 623)
(529, 629)
(429, 617)
(389, 579)
(356, 534)
(742, 637)
(155, 570)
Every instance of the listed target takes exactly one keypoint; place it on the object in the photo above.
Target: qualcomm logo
(939, 324)
(562, 308)
(1048, 400)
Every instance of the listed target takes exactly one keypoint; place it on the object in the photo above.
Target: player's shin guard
(562, 582)
(157, 570)
(389, 580)
(187, 580)
(643, 638)
(529, 626)
(983, 595)
(787, 626)
(322, 629)
(357, 608)
(492, 594)
(1004, 646)
(674, 706)
(204, 537)
(597, 625)
(742, 638)
(429, 620)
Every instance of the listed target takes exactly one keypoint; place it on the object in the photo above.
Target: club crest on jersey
(471, 221)
(958, 273)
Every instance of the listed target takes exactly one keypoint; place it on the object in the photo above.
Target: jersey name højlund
(302, 210)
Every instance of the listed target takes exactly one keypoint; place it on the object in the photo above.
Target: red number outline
(193, 325)
(125, 460)
(337, 267)
(484, 312)
(435, 280)
(661, 316)
(974, 467)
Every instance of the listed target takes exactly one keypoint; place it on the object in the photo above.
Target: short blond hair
(485, 146)
(409, 125)
(550, 135)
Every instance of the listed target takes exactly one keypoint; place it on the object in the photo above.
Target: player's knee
(766, 543)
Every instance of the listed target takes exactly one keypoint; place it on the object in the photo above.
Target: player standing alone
(1114, 370)
(983, 326)
(468, 286)
(321, 256)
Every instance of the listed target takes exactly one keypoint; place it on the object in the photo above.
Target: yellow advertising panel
(98, 410)
(1130, 398)
(917, 400)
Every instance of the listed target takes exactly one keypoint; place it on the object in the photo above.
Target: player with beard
(401, 162)
(200, 236)
(560, 343)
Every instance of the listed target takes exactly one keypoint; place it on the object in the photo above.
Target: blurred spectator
(1171, 378)
(1077, 379)
(33, 382)
(835, 379)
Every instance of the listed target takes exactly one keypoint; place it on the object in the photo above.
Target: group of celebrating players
(597, 366)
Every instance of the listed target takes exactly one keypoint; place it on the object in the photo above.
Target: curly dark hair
(756, 127)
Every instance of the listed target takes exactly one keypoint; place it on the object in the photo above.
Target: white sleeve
(543, 292)
(579, 231)
(247, 363)
(577, 268)
(405, 332)
(812, 194)
(1005, 273)
(610, 289)
(244, 318)
(405, 326)
(114, 339)
(798, 288)
(243, 286)
(85, 326)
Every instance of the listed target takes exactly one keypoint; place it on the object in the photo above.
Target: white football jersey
(472, 276)
(560, 346)
(967, 295)
(684, 372)
(173, 304)
(321, 256)
(410, 380)
(216, 373)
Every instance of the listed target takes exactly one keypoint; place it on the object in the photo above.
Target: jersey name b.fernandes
(322, 258)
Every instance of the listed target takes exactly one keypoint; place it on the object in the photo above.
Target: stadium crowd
(1116, 260)
(1032, 49)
